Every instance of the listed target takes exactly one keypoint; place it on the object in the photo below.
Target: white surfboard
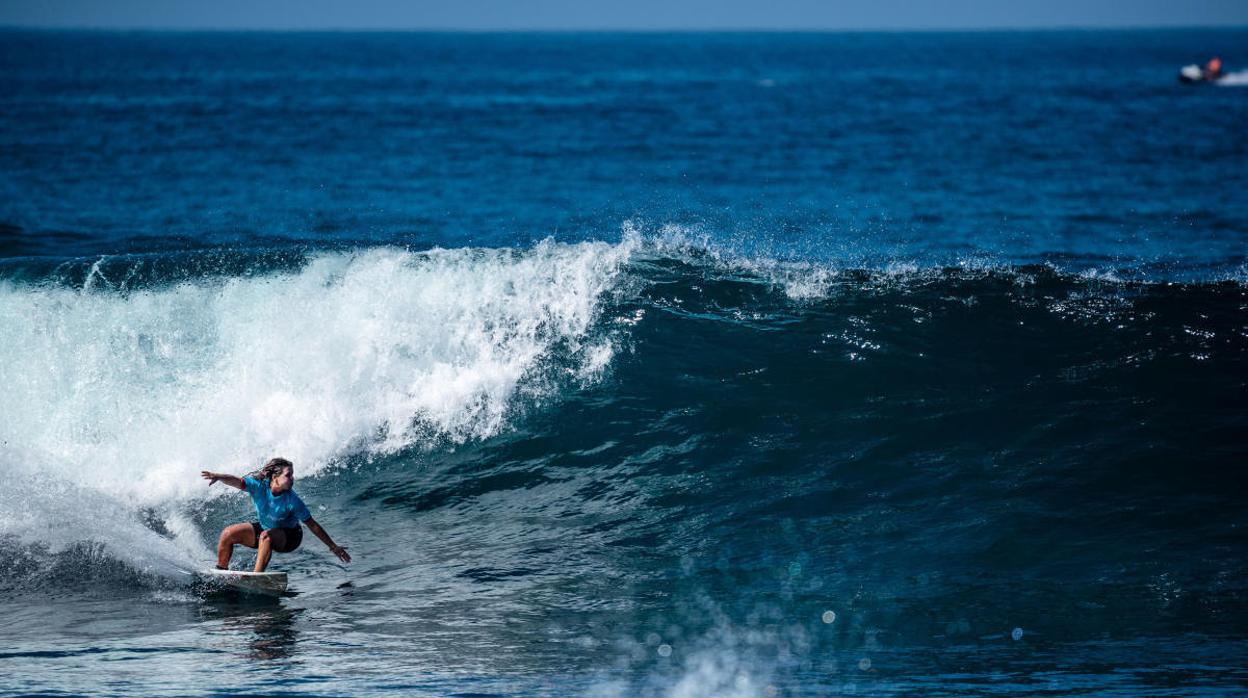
(267, 583)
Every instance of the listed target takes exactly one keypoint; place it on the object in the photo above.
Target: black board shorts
(294, 536)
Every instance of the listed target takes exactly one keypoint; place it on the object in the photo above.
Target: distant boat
(1194, 73)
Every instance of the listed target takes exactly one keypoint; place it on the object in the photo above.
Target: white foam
(49, 511)
(127, 396)
(1237, 79)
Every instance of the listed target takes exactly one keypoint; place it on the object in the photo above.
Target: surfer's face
(283, 480)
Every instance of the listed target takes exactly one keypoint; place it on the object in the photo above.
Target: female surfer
(279, 511)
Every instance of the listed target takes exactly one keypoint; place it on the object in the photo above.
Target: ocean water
(628, 364)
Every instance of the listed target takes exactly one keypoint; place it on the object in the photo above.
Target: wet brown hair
(273, 467)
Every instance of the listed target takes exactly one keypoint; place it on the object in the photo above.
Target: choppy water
(665, 365)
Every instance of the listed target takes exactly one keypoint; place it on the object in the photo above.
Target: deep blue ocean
(744, 364)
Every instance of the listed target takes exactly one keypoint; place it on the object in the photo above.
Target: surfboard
(266, 583)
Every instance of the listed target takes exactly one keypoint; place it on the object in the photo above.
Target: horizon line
(620, 30)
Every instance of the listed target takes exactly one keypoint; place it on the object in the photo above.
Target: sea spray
(123, 395)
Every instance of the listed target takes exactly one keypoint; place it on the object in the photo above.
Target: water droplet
(1017, 634)
(864, 664)
(665, 650)
(829, 616)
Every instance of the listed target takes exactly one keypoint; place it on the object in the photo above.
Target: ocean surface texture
(628, 365)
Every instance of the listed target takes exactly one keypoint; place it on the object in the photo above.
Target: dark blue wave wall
(1016, 448)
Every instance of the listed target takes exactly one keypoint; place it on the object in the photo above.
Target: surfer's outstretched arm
(230, 480)
(338, 550)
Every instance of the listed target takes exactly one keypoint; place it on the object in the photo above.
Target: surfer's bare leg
(268, 539)
(238, 534)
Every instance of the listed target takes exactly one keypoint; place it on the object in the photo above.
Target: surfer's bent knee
(282, 540)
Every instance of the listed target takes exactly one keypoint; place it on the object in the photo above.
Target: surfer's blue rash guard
(285, 510)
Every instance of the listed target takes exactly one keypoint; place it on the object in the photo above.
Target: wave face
(746, 470)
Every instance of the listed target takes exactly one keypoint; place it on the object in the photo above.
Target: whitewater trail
(1237, 79)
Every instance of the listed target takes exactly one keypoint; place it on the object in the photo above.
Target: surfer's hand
(341, 552)
(210, 477)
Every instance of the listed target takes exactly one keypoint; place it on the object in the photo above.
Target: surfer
(279, 510)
